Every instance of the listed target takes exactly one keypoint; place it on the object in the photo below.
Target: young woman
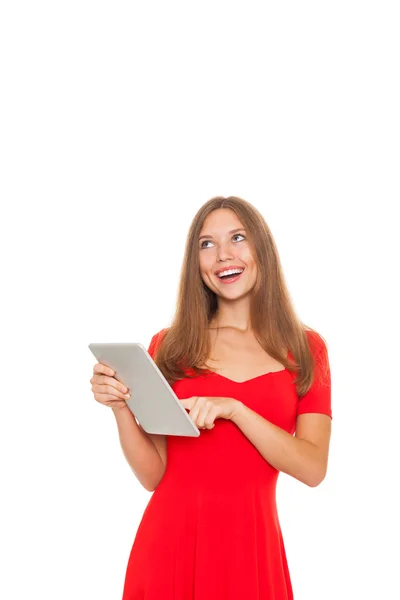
(250, 374)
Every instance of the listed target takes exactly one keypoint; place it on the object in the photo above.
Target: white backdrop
(118, 121)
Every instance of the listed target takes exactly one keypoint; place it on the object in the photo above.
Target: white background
(118, 121)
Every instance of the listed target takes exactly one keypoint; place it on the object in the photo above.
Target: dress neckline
(247, 380)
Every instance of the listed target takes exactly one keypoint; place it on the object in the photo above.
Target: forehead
(220, 220)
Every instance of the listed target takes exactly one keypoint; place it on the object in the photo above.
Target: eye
(236, 234)
(209, 241)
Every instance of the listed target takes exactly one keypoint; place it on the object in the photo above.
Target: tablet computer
(153, 402)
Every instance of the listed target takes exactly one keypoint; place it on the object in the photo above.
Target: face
(225, 245)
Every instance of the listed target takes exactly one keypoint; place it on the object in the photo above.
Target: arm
(139, 450)
(304, 456)
(146, 453)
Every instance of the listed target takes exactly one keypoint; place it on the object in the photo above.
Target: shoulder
(320, 354)
(319, 351)
(159, 334)
(316, 342)
(156, 340)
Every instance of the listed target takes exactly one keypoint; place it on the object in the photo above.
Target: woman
(251, 374)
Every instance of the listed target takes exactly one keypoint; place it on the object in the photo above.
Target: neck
(235, 315)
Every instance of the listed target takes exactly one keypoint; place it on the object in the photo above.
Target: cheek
(251, 265)
(205, 264)
(248, 258)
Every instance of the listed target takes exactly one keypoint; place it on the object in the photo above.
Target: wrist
(237, 408)
(118, 410)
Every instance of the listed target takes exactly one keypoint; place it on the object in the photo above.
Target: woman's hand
(106, 389)
(205, 409)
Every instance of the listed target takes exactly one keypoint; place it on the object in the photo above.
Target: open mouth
(230, 277)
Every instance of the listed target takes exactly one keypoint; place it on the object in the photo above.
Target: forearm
(296, 457)
(139, 451)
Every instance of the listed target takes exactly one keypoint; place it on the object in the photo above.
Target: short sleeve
(152, 346)
(155, 341)
(318, 397)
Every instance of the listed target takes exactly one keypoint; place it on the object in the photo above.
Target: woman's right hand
(106, 389)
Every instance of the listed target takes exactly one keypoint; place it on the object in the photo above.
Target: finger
(188, 402)
(101, 368)
(194, 413)
(210, 418)
(203, 413)
(105, 380)
(118, 385)
(110, 390)
(108, 400)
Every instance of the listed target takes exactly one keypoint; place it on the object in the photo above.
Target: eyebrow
(231, 231)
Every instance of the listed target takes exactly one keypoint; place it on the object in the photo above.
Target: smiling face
(223, 244)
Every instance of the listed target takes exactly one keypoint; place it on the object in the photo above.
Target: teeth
(230, 272)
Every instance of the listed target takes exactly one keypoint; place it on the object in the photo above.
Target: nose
(224, 253)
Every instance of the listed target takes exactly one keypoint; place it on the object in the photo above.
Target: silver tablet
(152, 401)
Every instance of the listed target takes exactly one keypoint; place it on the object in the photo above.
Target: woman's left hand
(205, 409)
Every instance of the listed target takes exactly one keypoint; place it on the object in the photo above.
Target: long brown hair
(186, 342)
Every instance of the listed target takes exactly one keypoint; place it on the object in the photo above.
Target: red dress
(211, 530)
